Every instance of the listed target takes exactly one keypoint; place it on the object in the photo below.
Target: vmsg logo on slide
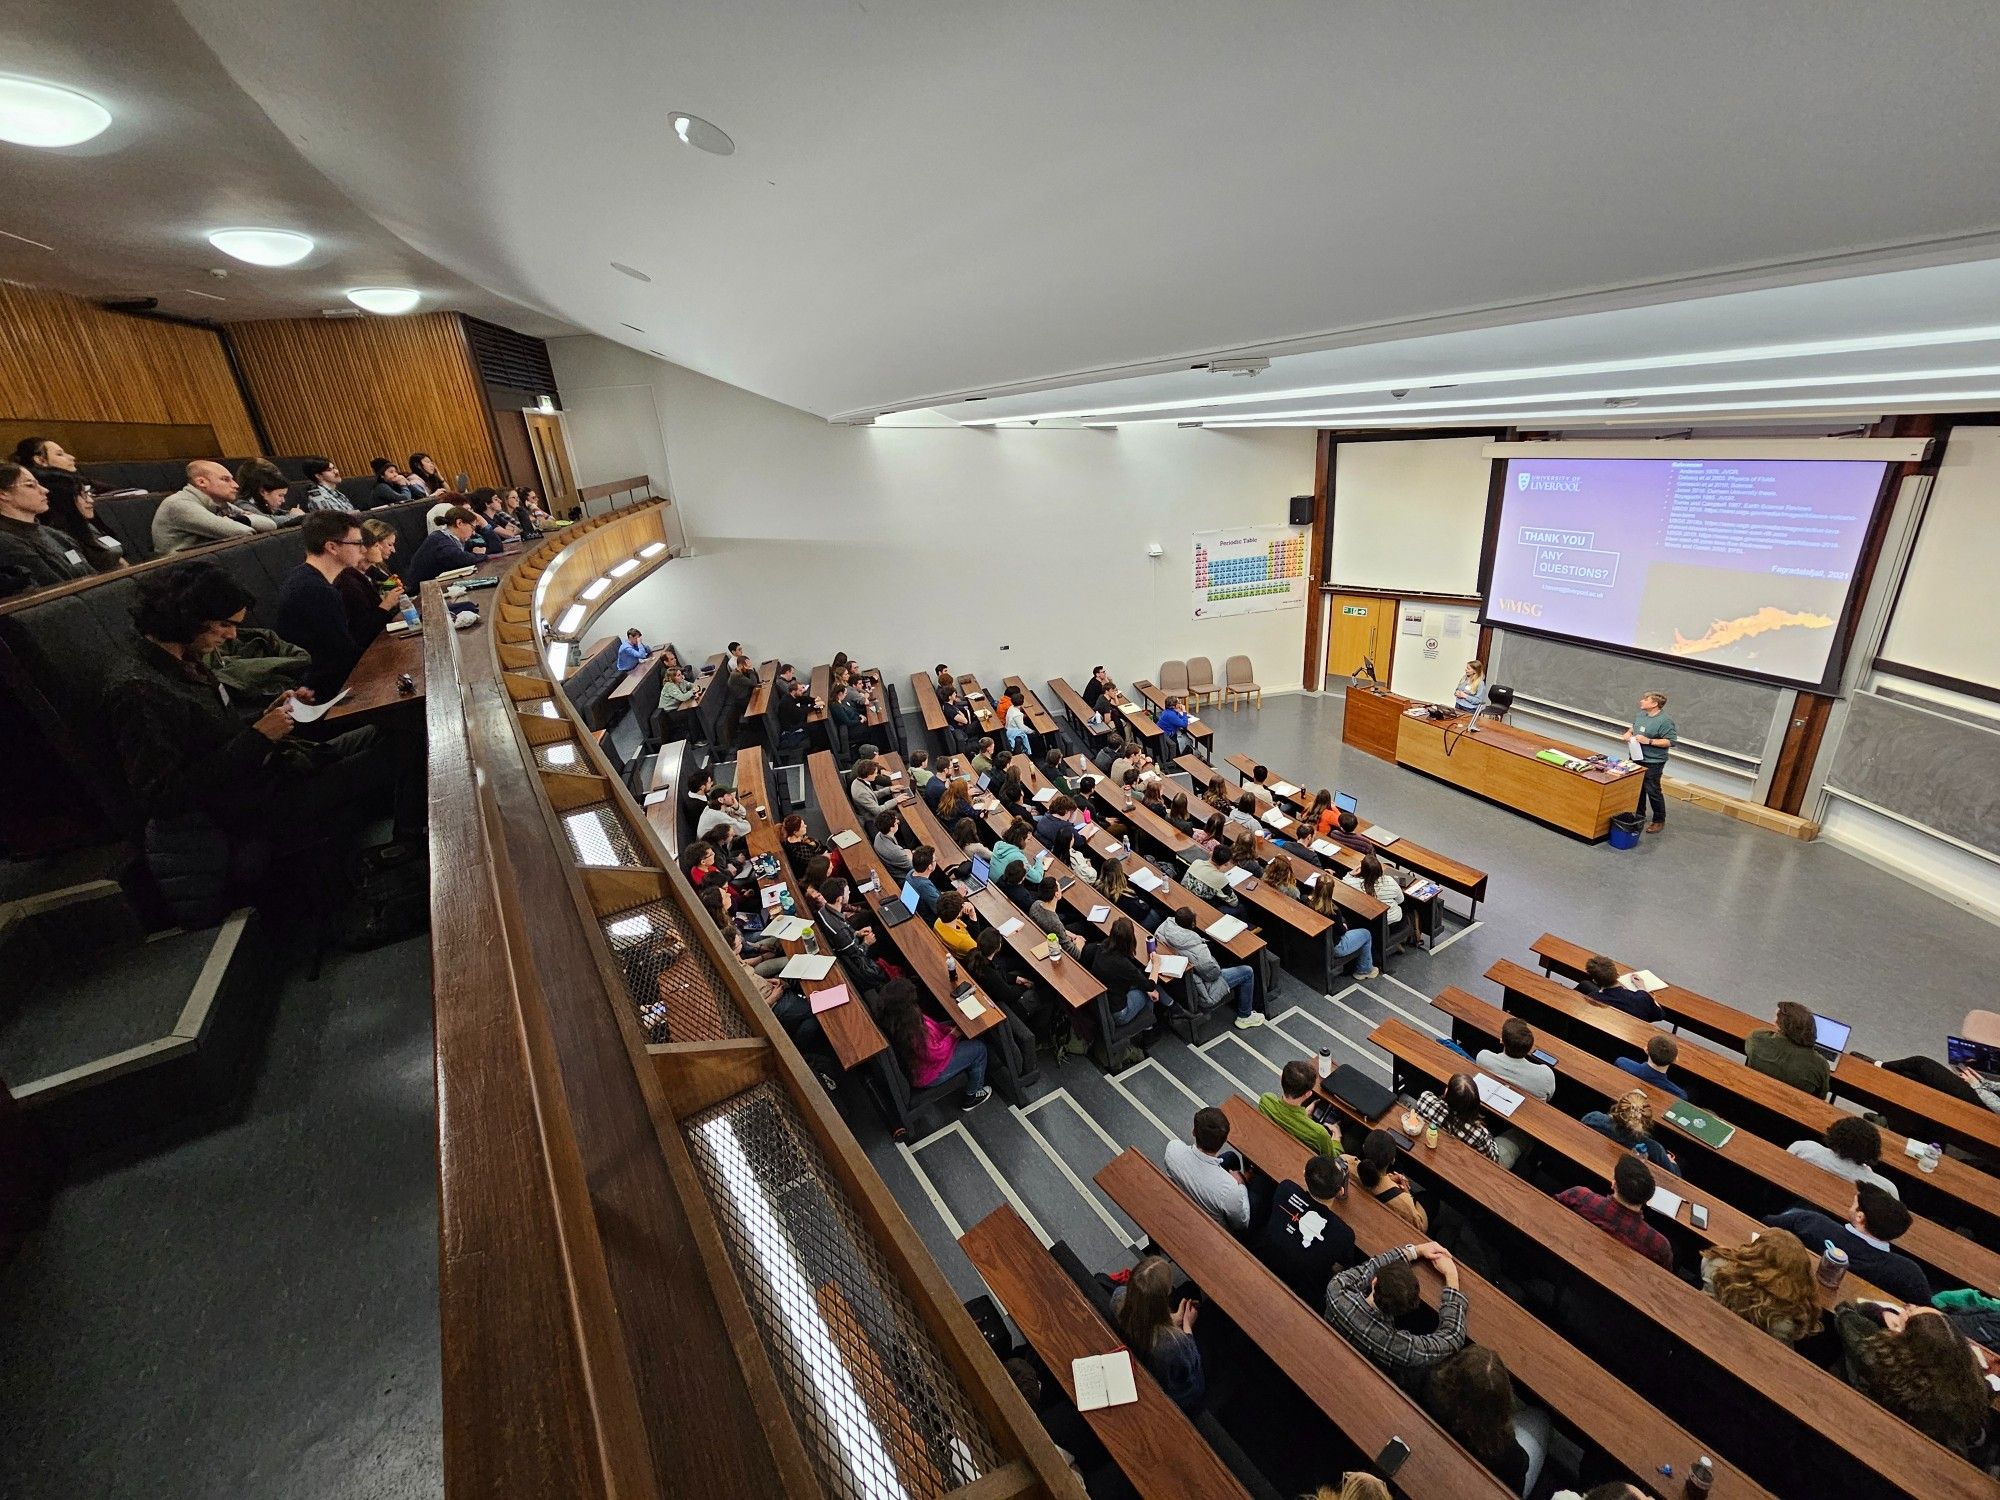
(1519, 607)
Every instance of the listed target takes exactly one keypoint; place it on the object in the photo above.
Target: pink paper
(828, 998)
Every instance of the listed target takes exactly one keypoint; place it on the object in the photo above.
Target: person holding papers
(1159, 1329)
(1208, 983)
(1654, 735)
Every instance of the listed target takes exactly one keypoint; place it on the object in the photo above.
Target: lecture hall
(903, 752)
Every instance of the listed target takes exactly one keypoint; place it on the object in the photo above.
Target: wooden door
(545, 436)
(1363, 626)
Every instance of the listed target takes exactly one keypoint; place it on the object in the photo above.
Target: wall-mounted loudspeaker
(1302, 510)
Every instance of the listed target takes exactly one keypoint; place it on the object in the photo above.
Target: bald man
(203, 511)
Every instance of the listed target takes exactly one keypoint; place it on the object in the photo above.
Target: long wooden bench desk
(1969, 1125)
(1151, 1439)
(1133, 712)
(1359, 1399)
(760, 695)
(924, 690)
(922, 950)
(1586, 1151)
(1075, 710)
(1627, 1427)
(1040, 720)
(1452, 874)
(1502, 764)
(850, 1030)
(1202, 734)
(1746, 1098)
(1750, 1159)
(374, 685)
(1746, 1377)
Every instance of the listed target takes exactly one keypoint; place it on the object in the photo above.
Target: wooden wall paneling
(517, 454)
(62, 357)
(1312, 671)
(356, 389)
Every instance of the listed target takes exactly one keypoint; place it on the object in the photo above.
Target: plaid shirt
(1626, 1225)
(1473, 1132)
(1398, 1352)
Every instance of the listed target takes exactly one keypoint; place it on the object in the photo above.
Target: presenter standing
(1654, 733)
(1470, 694)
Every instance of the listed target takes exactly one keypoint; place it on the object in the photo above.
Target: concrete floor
(255, 1312)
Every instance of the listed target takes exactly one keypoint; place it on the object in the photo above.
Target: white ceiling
(930, 201)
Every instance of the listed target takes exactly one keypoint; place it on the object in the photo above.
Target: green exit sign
(1354, 609)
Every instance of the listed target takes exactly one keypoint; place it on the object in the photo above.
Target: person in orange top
(950, 925)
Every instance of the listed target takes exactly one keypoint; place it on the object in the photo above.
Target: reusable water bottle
(410, 616)
(1326, 1062)
(1832, 1266)
(1700, 1480)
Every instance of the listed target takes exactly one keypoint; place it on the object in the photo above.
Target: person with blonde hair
(1768, 1282)
(1630, 1124)
(1279, 877)
(1344, 941)
(1354, 1486)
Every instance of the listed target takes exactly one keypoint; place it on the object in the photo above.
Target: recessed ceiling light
(262, 247)
(693, 130)
(624, 270)
(385, 300)
(40, 114)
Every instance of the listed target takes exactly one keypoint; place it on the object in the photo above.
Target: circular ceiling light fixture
(693, 130)
(387, 301)
(263, 247)
(40, 114)
(624, 270)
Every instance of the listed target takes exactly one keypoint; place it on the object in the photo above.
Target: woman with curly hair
(1768, 1282)
(1630, 1124)
(1912, 1361)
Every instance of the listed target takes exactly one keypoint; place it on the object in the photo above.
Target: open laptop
(896, 913)
(978, 881)
(1830, 1037)
(1343, 802)
(1982, 1057)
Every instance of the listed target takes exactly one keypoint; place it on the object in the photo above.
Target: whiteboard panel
(1410, 516)
(1948, 615)
(1936, 769)
(1433, 643)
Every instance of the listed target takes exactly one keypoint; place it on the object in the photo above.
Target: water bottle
(951, 969)
(1326, 1062)
(410, 616)
(1832, 1266)
(1700, 1480)
(1152, 947)
(1055, 947)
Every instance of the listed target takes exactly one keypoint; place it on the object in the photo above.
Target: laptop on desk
(1830, 1037)
(1982, 1057)
(1343, 802)
(978, 881)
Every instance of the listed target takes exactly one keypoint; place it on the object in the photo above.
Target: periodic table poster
(1247, 570)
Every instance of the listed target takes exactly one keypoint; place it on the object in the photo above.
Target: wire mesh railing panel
(880, 1410)
(677, 993)
(598, 837)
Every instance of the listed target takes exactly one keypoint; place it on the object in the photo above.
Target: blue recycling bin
(1626, 829)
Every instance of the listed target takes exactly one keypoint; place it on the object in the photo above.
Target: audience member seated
(1787, 1053)
(799, 846)
(1208, 876)
(1629, 1122)
(889, 847)
(443, 551)
(1039, 902)
(1873, 1222)
(1319, 817)
(1244, 815)
(32, 556)
(1173, 721)
(203, 511)
(1208, 982)
(923, 879)
(675, 690)
(378, 547)
(1346, 945)
(695, 787)
(1375, 1167)
(838, 922)
(1600, 983)
(994, 971)
(1343, 833)
(1291, 1108)
(930, 1051)
(328, 606)
(72, 504)
(763, 957)
(633, 651)
(702, 863)
(1159, 1328)
(424, 476)
(1355, 1486)
(1099, 684)
(1215, 1182)
(1457, 1113)
(265, 490)
(1770, 1282)
(870, 791)
(1114, 962)
(1652, 1068)
(325, 493)
(1914, 1363)
(1622, 1214)
(793, 705)
(951, 924)
(1121, 895)
(1515, 1065)
(221, 797)
(1012, 850)
(1056, 827)
(1369, 876)
(722, 822)
(1279, 876)
(1367, 1303)
(392, 486)
(1471, 1396)
(1303, 1239)
(965, 833)
(1852, 1149)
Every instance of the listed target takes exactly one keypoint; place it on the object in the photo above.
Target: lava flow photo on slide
(1788, 634)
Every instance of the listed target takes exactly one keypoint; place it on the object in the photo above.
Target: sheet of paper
(1103, 1380)
(1146, 880)
(1275, 816)
(1381, 836)
(1114, 847)
(1496, 1096)
(1130, 708)
(828, 998)
(1046, 794)
(1223, 929)
(1665, 1202)
(970, 1008)
(807, 966)
(1099, 913)
(1011, 926)
(305, 713)
(895, 775)
(1325, 848)
(788, 929)
(1649, 981)
(1284, 789)
(1633, 749)
(1236, 877)
(771, 895)
(1308, 877)
(847, 838)
(1170, 965)
(654, 799)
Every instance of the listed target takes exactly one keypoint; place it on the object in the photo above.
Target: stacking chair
(1201, 681)
(1173, 679)
(1238, 683)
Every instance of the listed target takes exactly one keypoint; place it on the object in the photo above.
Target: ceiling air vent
(342, 312)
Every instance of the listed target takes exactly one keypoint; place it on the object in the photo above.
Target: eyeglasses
(351, 541)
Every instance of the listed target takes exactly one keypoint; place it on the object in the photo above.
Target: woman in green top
(1293, 1111)
(1788, 1053)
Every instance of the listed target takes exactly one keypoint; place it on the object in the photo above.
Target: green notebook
(1701, 1124)
(1553, 757)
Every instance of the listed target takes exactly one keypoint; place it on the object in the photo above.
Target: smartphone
(1698, 1215)
(1547, 1059)
(1402, 1141)
(1390, 1459)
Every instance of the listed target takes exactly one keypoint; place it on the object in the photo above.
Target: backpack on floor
(389, 895)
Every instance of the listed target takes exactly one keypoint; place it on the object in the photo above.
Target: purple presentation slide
(1734, 563)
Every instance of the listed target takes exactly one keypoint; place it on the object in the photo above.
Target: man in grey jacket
(203, 511)
(1208, 983)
